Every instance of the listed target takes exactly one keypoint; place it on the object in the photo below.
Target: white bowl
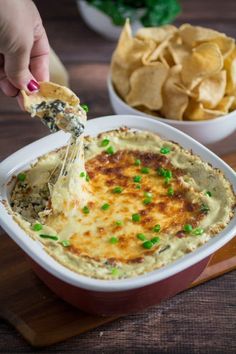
(206, 132)
(100, 22)
(25, 156)
(111, 297)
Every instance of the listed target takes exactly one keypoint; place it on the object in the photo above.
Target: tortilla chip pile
(183, 74)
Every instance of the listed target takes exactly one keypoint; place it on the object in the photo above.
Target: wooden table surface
(200, 320)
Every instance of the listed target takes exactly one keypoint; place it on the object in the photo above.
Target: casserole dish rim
(13, 164)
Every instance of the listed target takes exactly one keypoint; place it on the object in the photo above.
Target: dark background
(200, 320)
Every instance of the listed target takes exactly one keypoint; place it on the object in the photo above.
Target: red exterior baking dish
(121, 302)
(111, 297)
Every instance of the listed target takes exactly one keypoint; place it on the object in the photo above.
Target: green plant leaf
(157, 12)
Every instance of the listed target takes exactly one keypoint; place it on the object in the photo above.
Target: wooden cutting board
(44, 319)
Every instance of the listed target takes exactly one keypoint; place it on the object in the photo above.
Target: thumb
(16, 68)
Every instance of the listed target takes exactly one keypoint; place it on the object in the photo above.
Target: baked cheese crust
(150, 202)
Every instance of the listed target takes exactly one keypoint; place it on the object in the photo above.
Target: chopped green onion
(87, 178)
(105, 142)
(141, 237)
(170, 191)
(115, 272)
(105, 206)
(165, 173)
(198, 231)
(137, 179)
(147, 244)
(37, 227)
(147, 201)
(21, 177)
(110, 150)
(137, 162)
(65, 243)
(167, 180)
(85, 107)
(187, 228)
(155, 240)
(161, 171)
(168, 174)
(136, 217)
(85, 210)
(208, 193)
(145, 170)
(51, 237)
(148, 194)
(204, 208)
(138, 186)
(113, 240)
(119, 223)
(82, 174)
(117, 190)
(165, 150)
(156, 228)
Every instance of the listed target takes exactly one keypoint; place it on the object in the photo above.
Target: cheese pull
(59, 109)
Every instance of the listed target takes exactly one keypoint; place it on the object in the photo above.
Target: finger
(39, 61)
(7, 88)
(1, 61)
(20, 101)
(16, 68)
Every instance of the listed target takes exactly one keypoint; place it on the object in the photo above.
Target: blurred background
(86, 56)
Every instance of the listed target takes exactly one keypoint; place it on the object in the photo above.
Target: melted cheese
(90, 234)
(92, 250)
(70, 190)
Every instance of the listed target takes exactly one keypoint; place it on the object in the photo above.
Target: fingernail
(33, 86)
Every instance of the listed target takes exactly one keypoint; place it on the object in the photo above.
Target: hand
(24, 47)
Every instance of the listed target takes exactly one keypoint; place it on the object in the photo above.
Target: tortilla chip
(178, 52)
(163, 56)
(233, 105)
(157, 34)
(129, 51)
(47, 92)
(230, 67)
(226, 104)
(154, 56)
(175, 100)
(148, 111)
(146, 85)
(55, 105)
(225, 44)
(195, 35)
(164, 61)
(205, 60)
(211, 90)
(120, 79)
(127, 58)
(166, 58)
(196, 112)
